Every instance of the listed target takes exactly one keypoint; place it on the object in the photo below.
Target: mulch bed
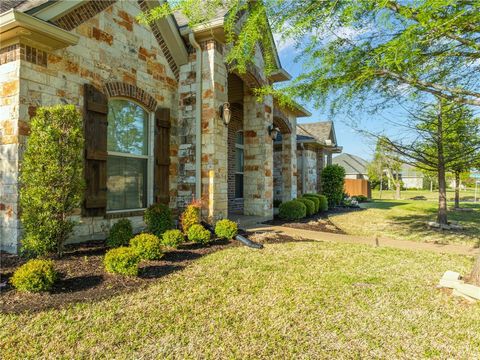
(317, 222)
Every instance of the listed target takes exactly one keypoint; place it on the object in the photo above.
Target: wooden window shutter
(162, 156)
(95, 132)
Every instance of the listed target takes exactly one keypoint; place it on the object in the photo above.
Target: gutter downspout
(302, 146)
(198, 118)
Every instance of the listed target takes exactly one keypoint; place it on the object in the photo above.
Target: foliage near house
(51, 179)
(316, 200)
(172, 238)
(122, 261)
(191, 216)
(159, 219)
(292, 210)
(309, 204)
(323, 203)
(120, 233)
(333, 180)
(226, 229)
(35, 276)
(197, 233)
(147, 246)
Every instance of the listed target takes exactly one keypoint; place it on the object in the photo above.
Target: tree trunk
(457, 190)
(475, 274)
(442, 184)
(398, 187)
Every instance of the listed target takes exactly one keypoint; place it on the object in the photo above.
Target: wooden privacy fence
(355, 187)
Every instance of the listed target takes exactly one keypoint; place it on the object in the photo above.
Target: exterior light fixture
(273, 131)
(225, 113)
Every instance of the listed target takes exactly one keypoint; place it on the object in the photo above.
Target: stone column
(320, 166)
(289, 167)
(258, 170)
(329, 158)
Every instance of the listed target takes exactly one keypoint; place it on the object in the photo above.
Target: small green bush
(172, 238)
(360, 198)
(309, 204)
(333, 180)
(35, 276)
(122, 260)
(147, 246)
(120, 233)
(315, 199)
(158, 218)
(197, 233)
(226, 229)
(191, 216)
(323, 203)
(292, 210)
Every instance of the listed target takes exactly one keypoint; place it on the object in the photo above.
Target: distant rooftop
(351, 163)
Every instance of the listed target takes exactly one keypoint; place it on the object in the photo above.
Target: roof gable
(318, 131)
(351, 163)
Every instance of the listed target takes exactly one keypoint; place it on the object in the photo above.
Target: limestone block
(450, 279)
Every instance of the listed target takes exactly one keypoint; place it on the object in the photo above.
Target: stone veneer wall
(311, 172)
(113, 47)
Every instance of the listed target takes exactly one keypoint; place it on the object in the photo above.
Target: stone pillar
(258, 171)
(289, 167)
(320, 166)
(329, 158)
(214, 133)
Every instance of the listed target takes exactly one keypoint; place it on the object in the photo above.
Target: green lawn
(290, 300)
(467, 194)
(406, 220)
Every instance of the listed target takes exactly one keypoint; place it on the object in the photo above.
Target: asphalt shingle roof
(351, 163)
(319, 131)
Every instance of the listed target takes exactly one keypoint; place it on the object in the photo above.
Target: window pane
(238, 160)
(238, 186)
(126, 183)
(127, 127)
(239, 139)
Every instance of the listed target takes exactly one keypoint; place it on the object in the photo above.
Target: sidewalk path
(351, 239)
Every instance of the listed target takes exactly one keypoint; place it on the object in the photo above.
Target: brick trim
(131, 91)
(161, 41)
(82, 13)
(23, 52)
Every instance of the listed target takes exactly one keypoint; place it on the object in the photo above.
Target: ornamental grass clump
(315, 199)
(197, 233)
(191, 216)
(147, 246)
(226, 229)
(123, 261)
(35, 276)
(158, 218)
(310, 205)
(172, 238)
(120, 233)
(292, 210)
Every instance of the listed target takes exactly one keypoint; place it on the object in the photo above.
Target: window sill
(124, 213)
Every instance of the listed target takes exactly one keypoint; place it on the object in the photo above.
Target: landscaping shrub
(315, 199)
(333, 179)
(122, 260)
(197, 233)
(51, 180)
(309, 204)
(120, 233)
(360, 198)
(158, 218)
(147, 246)
(35, 276)
(323, 203)
(172, 238)
(292, 210)
(191, 216)
(226, 229)
(277, 203)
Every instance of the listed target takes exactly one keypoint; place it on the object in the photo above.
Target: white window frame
(241, 147)
(149, 157)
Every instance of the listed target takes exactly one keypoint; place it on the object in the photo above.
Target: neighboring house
(411, 177)
(127, 77)
(316, 142)
(355, 167)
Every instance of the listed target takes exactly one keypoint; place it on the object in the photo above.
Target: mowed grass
(406, 220)
(465, 195)
(289, 300)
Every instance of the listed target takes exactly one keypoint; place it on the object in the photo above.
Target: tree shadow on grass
(383, 205)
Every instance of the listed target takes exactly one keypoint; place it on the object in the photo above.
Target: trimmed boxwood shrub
(147, 246)
(158, 218)
(292, 210)
(309, 204)
(172, 238)
(191, 216)
(197, 233)
(315, 199)
(123, 260)
(323, 203)
(333, 180)
(226, 229)
(120, 233)
(35, 276)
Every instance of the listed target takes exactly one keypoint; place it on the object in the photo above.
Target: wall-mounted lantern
(225, 113)
(273, 131)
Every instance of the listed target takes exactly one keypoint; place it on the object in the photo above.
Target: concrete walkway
(351, 239)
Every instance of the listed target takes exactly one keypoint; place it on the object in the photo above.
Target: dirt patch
(83, 278)
(317, 222)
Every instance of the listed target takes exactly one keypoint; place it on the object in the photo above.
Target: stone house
(195, 129)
